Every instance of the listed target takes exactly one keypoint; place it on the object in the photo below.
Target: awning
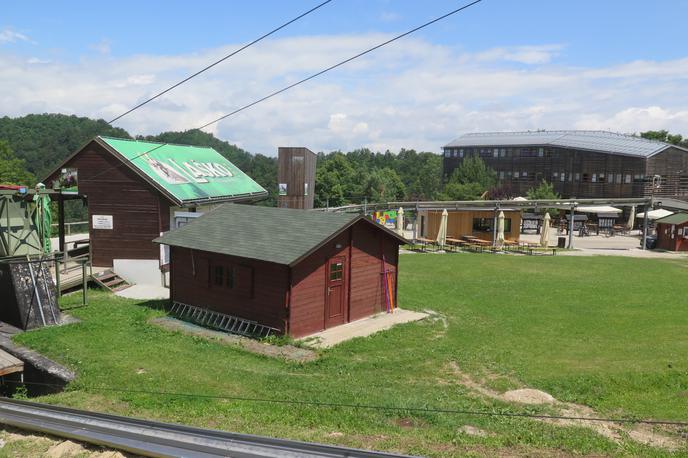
(598, 209)
(655, 214)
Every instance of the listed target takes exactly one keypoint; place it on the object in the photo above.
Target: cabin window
(627, 180)
(594, 178)
(482, 224)
(516, 174)
(502, 152)
(577, 176)
(562, 176)
(456, 153)
(541, 152)
(229, 278)
(461, 153)
(610, 177)
(336, 270)
(601, 178)
(219, 275)
(495, 152)
(618, 178)
(447, 153)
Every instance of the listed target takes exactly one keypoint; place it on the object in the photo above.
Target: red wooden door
(335, 309)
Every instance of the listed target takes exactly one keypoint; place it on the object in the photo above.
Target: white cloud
(103, 47)
(10, 36)
(411, 94)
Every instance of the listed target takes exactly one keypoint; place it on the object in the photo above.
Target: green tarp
(188, 173)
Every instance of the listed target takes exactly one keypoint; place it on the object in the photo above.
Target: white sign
(101, 221)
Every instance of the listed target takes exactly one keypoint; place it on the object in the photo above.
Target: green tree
(12, 169)
(544, 190)
(665, 136)
(459, 191)
(473, 170)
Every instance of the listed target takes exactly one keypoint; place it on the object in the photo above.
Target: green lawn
(608, 332)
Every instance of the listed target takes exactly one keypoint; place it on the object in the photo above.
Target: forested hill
(42, 141)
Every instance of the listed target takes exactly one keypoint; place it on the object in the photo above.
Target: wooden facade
(476, 223)
(139, 212)
(296, 177)
(579, 173)
(339, 282)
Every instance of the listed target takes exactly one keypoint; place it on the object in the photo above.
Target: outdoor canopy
(598, 209)
(655, 214)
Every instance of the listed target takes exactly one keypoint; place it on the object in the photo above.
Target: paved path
(145, 292)
(361, 328)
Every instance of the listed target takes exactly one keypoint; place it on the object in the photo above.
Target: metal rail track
(151, 438)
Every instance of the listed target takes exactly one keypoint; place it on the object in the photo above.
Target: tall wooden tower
(296, 177)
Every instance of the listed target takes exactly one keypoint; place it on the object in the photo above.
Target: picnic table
(454, 242)
(425, 242)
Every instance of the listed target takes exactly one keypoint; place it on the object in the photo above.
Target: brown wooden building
(580, 164)
(469, 221)
(137, 190)
(296, 177)
(293, 270)
(672, 232)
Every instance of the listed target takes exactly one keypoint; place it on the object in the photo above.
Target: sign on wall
(101, 221)
(68, 180)
(282, 189)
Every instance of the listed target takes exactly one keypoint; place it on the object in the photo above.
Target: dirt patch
(473, 431)
(64, 449)
(528, 396)
(288, 352)
(584, 415)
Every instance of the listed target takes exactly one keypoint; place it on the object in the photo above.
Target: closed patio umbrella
(442, 232)
(400, 222)
(500, 229)
(631, 219)
(544, 234)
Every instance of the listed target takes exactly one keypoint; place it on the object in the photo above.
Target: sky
(499, 65)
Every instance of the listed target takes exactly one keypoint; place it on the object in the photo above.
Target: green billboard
(187, 173)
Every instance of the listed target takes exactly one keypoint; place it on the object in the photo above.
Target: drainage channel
(150, 438)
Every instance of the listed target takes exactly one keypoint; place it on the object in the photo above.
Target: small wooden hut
(294, 271)
(672, 232)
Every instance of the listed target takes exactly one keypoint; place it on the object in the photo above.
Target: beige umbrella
(631, 219)
(400, 221)
(442, 232)
(544, 233)
(500, 228)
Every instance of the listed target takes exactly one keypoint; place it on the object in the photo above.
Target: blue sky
(627, 59)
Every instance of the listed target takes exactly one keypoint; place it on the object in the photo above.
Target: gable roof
(279, 235)
(676, 218)
(185, 174)
(602, 141)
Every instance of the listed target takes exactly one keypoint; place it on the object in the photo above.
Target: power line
(286, 88)
(367, 406)
(262, 37)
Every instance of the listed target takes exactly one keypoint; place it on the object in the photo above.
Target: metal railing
(69, 227)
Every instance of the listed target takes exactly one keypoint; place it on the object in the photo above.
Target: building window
(555, 175)
(483, 224)
(562, 176)
(577, 176)
(528, 152)
(502, 152)
(601, 178)
(508, 173)
(336, 270)
(461, 152)
(501, 174)
(594, 178)
(229, 278)
(570, 177)
(447, 153)
(627, 179)
(495, 152)
(586, 178)
(618, 178)
(610, 177)
(516, 174)
(541, 152)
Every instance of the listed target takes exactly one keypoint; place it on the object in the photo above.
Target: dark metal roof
(676, 218)
(602, 141)
(279, 235)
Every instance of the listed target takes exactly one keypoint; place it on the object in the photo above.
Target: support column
(61, 222)
(415, 224)
(645, 221)
(494, 227)
(571, 219)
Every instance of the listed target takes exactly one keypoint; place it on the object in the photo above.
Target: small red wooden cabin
(297, 271)
(672, 232)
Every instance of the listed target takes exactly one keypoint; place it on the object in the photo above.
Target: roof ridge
(136, 140)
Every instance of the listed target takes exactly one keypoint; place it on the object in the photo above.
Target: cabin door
(335, 310)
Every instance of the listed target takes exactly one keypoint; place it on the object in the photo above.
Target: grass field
(607, 332)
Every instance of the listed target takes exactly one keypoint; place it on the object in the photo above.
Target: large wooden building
(580, 164)
(296, 271)
(136, 190)
(672, 232)
(475, 222)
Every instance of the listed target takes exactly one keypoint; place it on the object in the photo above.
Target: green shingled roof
(676, 218)
(279, 235)
(187, 174)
